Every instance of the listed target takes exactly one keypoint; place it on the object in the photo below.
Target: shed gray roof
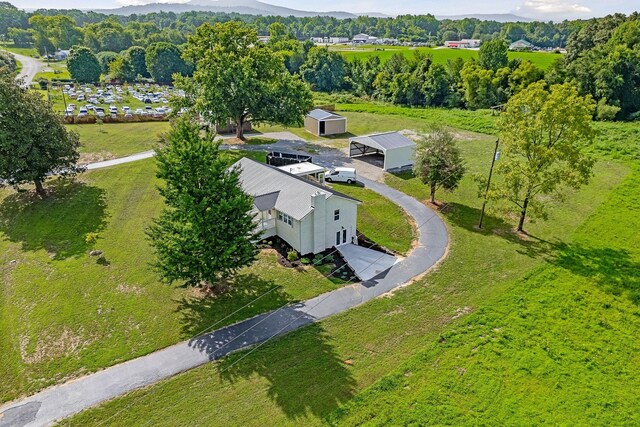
(278, 189)
(319, 114)
(384, 141)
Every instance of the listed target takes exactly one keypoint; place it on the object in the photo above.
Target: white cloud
(552, 7)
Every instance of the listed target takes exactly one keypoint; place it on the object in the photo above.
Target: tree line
(65, 28)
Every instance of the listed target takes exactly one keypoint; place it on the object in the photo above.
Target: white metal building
(322, 123)
(397, 151)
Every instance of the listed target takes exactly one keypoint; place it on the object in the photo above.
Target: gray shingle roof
(319, 114)
(287, 193)
(267, 201)
(384, 141)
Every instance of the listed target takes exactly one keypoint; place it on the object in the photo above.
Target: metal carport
(398, 151)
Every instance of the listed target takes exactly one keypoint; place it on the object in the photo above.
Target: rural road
(64, 400)
(30, 67)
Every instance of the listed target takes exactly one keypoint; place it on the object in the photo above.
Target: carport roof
(384, 141)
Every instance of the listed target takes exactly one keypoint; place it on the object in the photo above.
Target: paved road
(62, 401)
(30, 67)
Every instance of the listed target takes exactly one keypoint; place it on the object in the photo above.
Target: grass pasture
(67, 314)
(111, 140)
(439, 55)
(380, 220)
(317, 375)
(26, 51)
(53, 70)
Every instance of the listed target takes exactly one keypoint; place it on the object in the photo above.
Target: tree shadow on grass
(58, 223)
(467, 217)
(246, 296)
(614, 270)
(306, 375)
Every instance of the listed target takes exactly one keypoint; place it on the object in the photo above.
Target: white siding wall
(306, 234)
(348, 218)
(399, 157)
(290, 234)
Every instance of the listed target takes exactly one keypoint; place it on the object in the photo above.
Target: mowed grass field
(508, 329)
(380, 220)
(439, 55)
(117, 139)
(64, 313)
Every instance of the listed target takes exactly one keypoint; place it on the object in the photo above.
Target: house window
(285, 218)
(336, 215)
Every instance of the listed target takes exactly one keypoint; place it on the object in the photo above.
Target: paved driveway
(365, 262)
(64, 400)
(30, 67)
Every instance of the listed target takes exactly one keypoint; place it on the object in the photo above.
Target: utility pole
(486, 192)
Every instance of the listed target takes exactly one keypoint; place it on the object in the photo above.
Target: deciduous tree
(83, 65)
(239, 79)
(438, 163)
(33, 139)
(544, 133)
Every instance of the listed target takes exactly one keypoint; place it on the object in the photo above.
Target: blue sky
(542, 9)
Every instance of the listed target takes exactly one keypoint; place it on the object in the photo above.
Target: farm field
(439, 55)
(110, 308)
(539, 308)
(26, 51)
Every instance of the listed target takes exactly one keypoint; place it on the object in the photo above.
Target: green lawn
(64, 313)
(489, 278)
(117, 139)
(53, 70)
(382, 221)
(439, 55)
(26, 51)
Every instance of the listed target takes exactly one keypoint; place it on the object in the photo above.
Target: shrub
(305, 261)
(605, 112)
(318, 259)
(292, 256)
(91, 238)
(43, 83)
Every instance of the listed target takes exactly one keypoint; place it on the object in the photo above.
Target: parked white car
(347, 175)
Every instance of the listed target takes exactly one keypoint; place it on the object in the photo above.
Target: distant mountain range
(499, 17)
(245, 7)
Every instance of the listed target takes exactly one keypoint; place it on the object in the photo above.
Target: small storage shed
(322, 123)
(396, 150)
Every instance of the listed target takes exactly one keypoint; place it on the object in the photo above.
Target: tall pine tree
(206, 232)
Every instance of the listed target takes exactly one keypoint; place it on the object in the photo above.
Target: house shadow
(467, 217)
(58, 223)
(305, 374)
(245, 296)
(613, 270)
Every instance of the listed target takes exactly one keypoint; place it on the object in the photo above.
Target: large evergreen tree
(206, 232)
(33, 139)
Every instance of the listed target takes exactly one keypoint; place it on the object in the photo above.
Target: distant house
(322, 123)
(463, 44)
(391, 150)
(521, 45)
(336, 40)
(363, 39)
(320, 39)
(307, 215)
(61, 55)
(263, 39)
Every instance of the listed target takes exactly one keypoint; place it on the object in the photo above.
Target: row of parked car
(85, 110)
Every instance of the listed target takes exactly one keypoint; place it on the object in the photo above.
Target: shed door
(322, 128)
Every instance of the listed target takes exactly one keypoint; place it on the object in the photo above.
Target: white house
(397, 151)
(363, 39)
(521, 45)
(308, 216)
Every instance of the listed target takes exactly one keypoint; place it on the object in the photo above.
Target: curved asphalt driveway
(64, 400)
(30, 67)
